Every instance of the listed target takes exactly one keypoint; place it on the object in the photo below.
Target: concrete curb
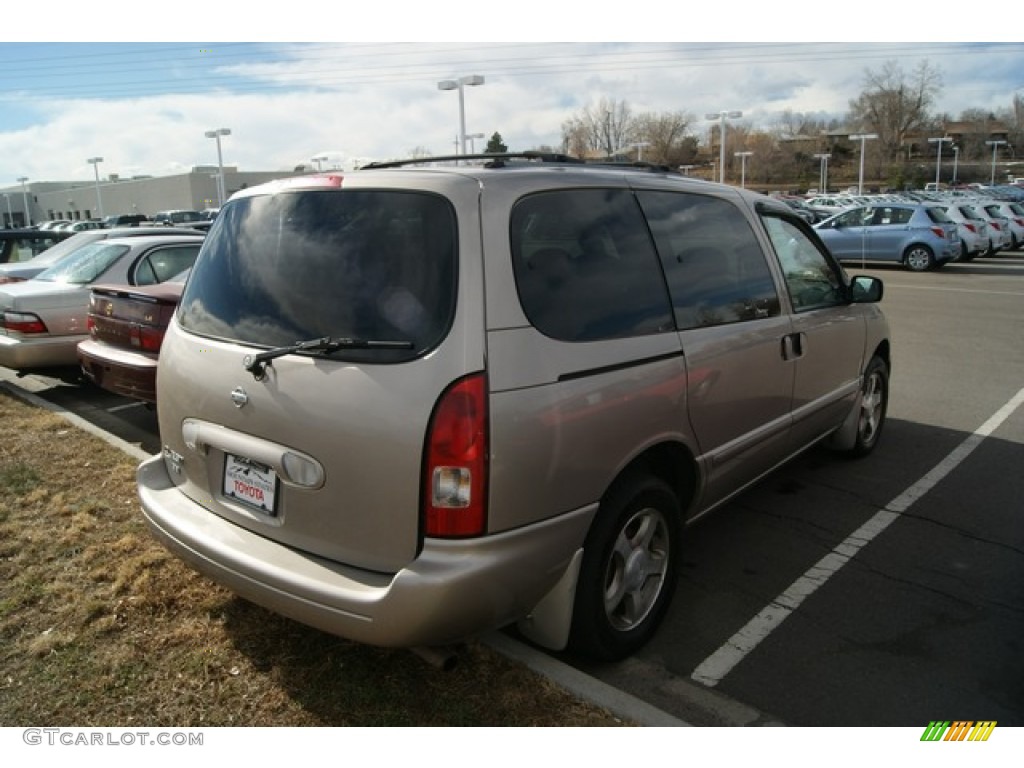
(619, 703)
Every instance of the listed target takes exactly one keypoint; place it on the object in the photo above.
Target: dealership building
(33, 202)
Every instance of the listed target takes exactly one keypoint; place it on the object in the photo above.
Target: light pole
(862, 137)
(824, 157)
(995, 149)
(938, 157)
(24, 200)
(743, 167)
(319, 160)
(459, 85)
(95, 161)
(216, 134)
(956, 161)
(721, 116)
(472, 144)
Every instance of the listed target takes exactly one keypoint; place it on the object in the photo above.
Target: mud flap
(548, 624)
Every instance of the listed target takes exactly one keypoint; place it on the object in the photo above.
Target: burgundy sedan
(126, 327)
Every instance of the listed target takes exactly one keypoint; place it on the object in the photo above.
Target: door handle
(793, 346)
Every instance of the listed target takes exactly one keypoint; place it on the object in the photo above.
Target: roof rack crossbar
(494, 158)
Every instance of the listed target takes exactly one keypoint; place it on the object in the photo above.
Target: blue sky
(144, 106)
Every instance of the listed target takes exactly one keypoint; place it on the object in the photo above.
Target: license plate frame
(251, 483)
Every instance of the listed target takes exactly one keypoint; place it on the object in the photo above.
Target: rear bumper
(124, 372)
(451, 591)
(44, 352)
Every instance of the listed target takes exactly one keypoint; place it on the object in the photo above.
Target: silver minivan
(416, 402)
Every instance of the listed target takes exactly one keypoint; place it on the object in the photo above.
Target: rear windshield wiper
(257, 364)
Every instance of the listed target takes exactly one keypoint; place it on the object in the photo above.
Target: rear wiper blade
(257, 364)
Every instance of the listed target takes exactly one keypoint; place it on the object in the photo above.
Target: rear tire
(629, 572)
(919, 258)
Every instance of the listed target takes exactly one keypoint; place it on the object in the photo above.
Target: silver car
(438, 400)
(1011, 217)
(43, 319)
(16, 271)
(972, 228)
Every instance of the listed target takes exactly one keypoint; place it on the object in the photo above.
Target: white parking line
(721, 662)
(947, 289)
(125, 407)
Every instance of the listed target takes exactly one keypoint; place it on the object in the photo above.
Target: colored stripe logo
(958, 730)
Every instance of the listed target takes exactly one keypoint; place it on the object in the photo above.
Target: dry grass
(100, 626)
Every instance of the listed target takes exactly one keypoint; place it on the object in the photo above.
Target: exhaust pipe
(439, 657)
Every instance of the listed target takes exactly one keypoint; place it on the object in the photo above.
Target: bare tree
(604, 127)
(894, 104)
(575, 138)
(666, 137)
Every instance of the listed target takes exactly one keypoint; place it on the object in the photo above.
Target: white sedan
(43, 319)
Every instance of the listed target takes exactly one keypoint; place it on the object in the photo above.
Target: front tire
(628, 574)
(919, 258)
(874, 403)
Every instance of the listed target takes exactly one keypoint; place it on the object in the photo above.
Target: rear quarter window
(585, 266)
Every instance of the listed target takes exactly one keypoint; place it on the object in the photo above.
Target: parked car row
(912, 228)
(43, 316)
(169, 218)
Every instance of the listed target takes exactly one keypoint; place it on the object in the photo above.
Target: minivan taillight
(455, 472)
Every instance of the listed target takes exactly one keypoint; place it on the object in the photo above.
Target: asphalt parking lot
(793, 607)
(880, 592)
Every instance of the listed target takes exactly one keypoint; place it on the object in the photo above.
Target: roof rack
(500, 160)
(494, 160)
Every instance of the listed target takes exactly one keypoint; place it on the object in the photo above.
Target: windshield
(84, 265)
(56, 252)
(369, 265)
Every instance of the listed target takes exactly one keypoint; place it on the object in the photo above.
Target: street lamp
(743, 167)
(862, 137)
(824, 157)
(995, 149)
(220, 162)
(459, 85)
(721, 116)
(319, 160)
(95, 161)
(472, 144)
(938, 157)
(24, 200)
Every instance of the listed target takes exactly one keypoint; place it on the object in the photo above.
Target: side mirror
(865, 290)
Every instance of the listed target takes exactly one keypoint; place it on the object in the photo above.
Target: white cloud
(378, 101)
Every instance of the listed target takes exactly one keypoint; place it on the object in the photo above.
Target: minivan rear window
(365, 265)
